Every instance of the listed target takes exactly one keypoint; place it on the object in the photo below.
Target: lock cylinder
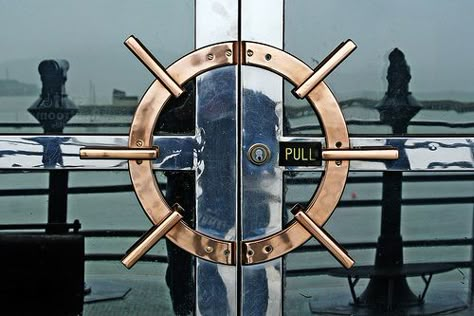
(259, 154)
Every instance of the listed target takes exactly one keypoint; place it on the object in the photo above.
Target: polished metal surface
(216, 167)
(238, 112)
(415, 153)
(150, 62)
(216, 183)
(261, 184)
(325, 67)
(43, 152)
(37, 152)
(257, 186)
(146, 242)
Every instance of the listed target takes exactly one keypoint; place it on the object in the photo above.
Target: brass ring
(323, 202)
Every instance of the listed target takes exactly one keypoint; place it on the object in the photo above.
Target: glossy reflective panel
(410, 76)
(90, 35)
(37, 152)
(437, 213)
(217, 170)
(215, 152)
(437, 55)
(99, 64)
(261, 185)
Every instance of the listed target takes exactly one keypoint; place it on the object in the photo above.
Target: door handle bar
(151, 237)
(326, 240)
(324, 68)
(119, 153)
(361, 153)
(150, 62)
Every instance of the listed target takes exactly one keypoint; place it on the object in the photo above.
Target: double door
(239, 117)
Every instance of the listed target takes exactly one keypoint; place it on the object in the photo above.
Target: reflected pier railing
(435, 242)
(298, 183)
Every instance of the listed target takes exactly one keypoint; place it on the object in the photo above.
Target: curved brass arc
(332, 184)
(181, 71)
(141, 135)
(319, 208)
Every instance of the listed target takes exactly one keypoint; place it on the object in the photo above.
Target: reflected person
(217, 123)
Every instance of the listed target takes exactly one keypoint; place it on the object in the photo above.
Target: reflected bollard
(53, 109)
(396, 109)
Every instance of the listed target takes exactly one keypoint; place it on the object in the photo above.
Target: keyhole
(259, 155)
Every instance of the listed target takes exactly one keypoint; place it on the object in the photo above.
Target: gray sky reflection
(435, 36)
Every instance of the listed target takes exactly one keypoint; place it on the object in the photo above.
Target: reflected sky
(434, 34)
(90, 35)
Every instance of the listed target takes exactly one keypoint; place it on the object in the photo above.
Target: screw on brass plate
(250, 252)
(338, 144)
(228, 53)
(250, 53)
(268, 57)
(338, 162)
(268, 249)
(210, 56)
(226, 252)
(139, 143)
(209, 249)
(139, 162)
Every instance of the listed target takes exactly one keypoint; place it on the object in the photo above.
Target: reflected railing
(291, 113)
(291, 182)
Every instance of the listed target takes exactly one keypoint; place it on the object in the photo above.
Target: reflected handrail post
(396, 109)
(53, 109)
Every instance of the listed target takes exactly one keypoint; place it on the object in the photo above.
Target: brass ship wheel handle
(308, 221)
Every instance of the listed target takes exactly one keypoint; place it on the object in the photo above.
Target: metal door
(244, 144)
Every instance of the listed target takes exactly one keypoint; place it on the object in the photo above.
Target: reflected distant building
(120, 98)
(13, 88)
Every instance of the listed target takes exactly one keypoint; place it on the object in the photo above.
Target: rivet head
(228, 53)
(209, 249)
(433, 146)
(139, 143)
(210, 56)
(268, 249)
(250, 53)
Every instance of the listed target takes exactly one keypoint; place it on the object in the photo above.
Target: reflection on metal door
(239, 153)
